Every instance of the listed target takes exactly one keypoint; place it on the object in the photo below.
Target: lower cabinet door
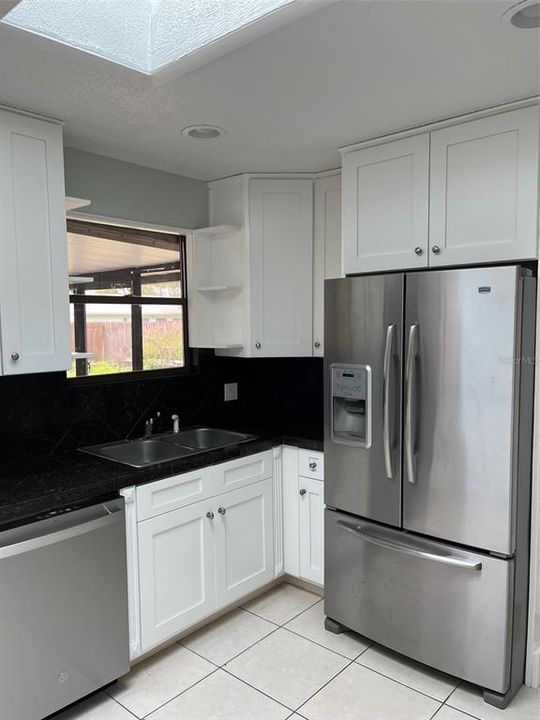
(176, 565)
(311, 520)
(244, 541)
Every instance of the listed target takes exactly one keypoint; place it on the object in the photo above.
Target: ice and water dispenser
(351, 404)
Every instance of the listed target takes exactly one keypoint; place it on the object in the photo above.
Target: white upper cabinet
(464, 192)
(326, 247)
(34, 308)
(385, 206)
(484, 189)
(281, 244)
(252, 271)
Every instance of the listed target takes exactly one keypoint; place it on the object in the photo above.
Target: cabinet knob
(312, 465)
(418, 250)
(15, 356)
(258, 345)
(210, 515)
(317, 344)
(302, 492)
(436, 249)
(221, 511)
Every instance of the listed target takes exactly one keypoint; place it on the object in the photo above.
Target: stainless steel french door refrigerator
(428, 427)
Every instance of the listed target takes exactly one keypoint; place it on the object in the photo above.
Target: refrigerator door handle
(387, 368)
(370, 536)
(412, 353)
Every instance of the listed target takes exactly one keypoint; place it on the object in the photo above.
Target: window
(128, 303)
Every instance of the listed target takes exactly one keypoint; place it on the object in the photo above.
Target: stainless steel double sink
(166, 447)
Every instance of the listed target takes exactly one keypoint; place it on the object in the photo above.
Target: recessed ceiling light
(203, 132)
(525, 14)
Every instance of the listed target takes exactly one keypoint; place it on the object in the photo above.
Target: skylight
(144, 35)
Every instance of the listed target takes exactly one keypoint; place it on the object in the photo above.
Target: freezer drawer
(440, 605)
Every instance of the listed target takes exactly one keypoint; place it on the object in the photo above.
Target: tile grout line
(399, 682)
(257, 689)
(122, 706)
(148, 715)
(323, 686)
(325, 647)
(237, 654)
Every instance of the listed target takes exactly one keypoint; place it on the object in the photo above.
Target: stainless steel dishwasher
(63, 609)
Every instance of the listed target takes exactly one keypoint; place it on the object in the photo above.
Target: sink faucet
(149, 427)
(176, 423)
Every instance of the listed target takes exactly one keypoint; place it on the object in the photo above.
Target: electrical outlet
(230, 391)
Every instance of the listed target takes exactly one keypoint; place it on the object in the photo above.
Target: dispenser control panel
(349, 383)
(351, 404)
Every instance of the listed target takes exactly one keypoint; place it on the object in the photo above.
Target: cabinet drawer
(243, 471)
(311, 464)
(174, 492)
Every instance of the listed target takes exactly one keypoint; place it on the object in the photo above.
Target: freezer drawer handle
(412, 353)
(368, 535)
(388, 355)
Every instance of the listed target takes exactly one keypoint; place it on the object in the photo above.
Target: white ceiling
(349, 71)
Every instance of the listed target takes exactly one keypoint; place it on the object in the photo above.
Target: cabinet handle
(210, 515)
(418, 250)
(258, 345)
(436, 249)
(317, 344)
(302, 492)
(15, 356)
(312, 465)
(221, 510)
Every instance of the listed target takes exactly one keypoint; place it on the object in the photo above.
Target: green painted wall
(133, 192)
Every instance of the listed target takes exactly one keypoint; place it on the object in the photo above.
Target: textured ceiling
(347, 72)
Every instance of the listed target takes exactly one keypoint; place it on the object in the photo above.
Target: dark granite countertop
(65, 477)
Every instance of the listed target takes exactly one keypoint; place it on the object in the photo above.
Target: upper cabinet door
(385, 206)
(484, 189)
(281, 247)
(326, 248)
(34, 309)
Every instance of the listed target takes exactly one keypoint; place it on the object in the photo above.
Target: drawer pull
(312, 465)
(222, 511)
(302, 492)
(210, 515)
(371, 537)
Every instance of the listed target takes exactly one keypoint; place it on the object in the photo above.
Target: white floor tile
(525, 705)
(415, 675)
(158, 679)
(360, 694)
(282, 603)
(310, 624)
(449, 713)
(287, 667)
(228, 636)
(221, 697)
(98, 707)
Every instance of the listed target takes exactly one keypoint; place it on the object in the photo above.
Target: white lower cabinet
(197, 557)
(243, 541)
(177, 571)
(311, 529)
(303, 515)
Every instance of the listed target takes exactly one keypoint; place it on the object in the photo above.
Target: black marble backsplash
(42, 413)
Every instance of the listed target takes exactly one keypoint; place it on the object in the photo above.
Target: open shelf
(79, 280)
(73, 203)
(218, 230)
(219, 288)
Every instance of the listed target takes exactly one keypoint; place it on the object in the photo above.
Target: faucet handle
(176, 423)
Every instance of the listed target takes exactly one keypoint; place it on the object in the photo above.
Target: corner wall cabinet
(251, 288)
(196, 543)
(463, 192)
(34, 308)
(326, 247)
